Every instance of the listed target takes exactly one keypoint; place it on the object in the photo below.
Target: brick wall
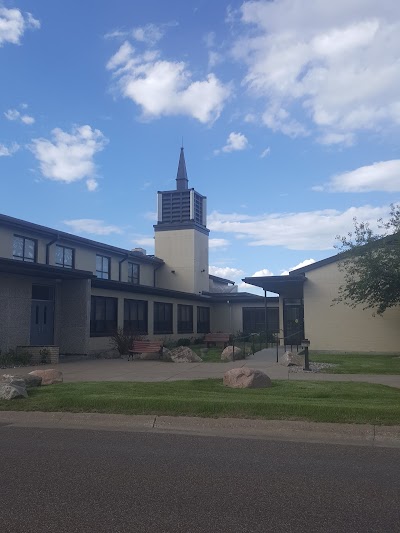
(53, 353)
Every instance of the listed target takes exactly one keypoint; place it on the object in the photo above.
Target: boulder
(246, 378)
(183, 354)
(30, 380)
(291, 359)
(48, 376)
(14, 388)
(227, 354)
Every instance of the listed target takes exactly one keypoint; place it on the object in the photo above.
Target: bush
(11, 358)
(198, 340)
(44, 355)
(122, 341)
(183, 342)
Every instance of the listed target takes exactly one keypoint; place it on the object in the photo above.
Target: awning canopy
(24, 268)
(287, 286)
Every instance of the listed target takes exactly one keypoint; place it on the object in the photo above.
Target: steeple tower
(181, 176)
(181, 236)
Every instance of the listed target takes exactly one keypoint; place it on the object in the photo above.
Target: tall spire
(181, 176)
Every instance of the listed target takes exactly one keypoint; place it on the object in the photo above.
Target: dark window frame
(136, 326)
(23, 257)
(106, 305)
(133, 279)
(63, 264)
(163, 324)
(185, 323)
(203, 326)
(108, 271)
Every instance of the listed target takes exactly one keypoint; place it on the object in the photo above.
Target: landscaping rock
(13, 389)
(227, 354)
(291, 359)
(183, 354)
(246, 378)
(49, 376)
(30, 381)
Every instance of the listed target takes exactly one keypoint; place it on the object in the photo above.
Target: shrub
(11, 358)
(122, 341)
(183, 342)
(44, 355)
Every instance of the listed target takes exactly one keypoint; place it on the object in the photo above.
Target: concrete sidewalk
(281, 430)
(123, 370)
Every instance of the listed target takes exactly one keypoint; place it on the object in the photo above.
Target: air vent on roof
(139, 251)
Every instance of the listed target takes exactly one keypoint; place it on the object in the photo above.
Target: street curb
(282, 430)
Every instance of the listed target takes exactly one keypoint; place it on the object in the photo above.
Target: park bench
(217, 338)
(145, 347)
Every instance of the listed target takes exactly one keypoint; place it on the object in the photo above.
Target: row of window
(104, 317)
(25, 249)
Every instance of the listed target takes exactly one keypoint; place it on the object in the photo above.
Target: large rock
(291, 359)
(246, 378)
(13, 389)
(48, 376)
(30, 380)
(227, 354)
(183, 354)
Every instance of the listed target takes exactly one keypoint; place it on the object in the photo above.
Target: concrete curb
(283, 430)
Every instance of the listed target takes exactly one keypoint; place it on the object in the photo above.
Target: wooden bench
(217, 338)
(145, 347)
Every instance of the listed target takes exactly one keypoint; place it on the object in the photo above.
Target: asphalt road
(54, 480)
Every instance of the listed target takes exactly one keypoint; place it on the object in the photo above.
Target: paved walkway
(123, 370)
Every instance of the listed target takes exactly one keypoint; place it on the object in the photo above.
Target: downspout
(119, 266)
(48, 247)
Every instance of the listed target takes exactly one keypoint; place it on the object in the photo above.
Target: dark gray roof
(62, 235)
(278, 284)
(13, 266)
(181, 176)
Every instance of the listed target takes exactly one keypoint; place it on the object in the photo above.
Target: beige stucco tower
(181, 236)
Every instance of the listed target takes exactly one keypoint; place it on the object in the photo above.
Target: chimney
(139, 251)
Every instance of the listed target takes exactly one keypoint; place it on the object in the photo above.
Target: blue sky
(289, 111)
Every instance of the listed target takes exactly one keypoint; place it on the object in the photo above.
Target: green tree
(371, 264)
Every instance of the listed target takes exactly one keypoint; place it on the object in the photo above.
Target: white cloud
(13, 25)
(68, 157)
(309, 230)
(380, 176)
(91, 226)
(143, 240)
(263, 272)
(166, 88)
(304, 263)
(235, 142)
(7, 151)
(216, 244)
(266, 152)
(332, 65)
(225, 272)
(14, 114)
(149, 34)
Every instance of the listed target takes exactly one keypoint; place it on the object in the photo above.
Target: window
(203, 320)
(24, 249)
(254, 319)
(102, 267)
(185, 318)
(64, 256)
(103, 316)
(133, 273)
(135, 316)
(162, 318)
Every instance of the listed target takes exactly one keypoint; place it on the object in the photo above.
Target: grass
(315, 401)
(359, 363)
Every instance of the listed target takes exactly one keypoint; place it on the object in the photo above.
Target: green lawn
(300, 400)
(359, 364)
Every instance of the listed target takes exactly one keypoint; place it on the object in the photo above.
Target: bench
(217, 338)
(145, 347)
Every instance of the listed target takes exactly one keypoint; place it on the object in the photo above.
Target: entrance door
(42, 316)
(293, 318)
